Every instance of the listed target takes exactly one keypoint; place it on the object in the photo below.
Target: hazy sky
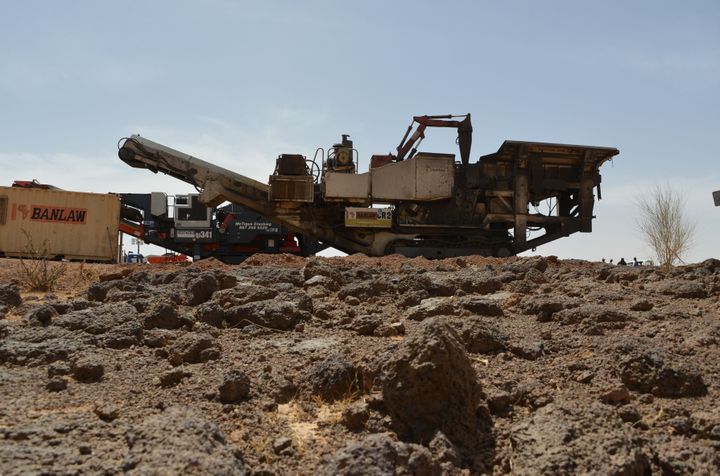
(237, 83)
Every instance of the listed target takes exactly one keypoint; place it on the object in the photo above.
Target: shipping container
(58, 224)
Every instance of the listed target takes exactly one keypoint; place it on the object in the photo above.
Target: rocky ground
(357, 365)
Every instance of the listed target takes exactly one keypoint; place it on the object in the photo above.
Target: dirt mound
(362, 365)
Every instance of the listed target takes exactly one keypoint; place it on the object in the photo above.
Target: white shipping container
(59, 224)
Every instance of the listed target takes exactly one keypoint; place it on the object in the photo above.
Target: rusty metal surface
(290, 164)
(291, 188)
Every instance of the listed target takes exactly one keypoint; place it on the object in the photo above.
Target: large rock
(243, 293)
(469, 280)
(331, 379)
(235, 386)
(435, 306)
(41, 316)
(230, 307)
(280, 387)
(125, 335)
(595, 313)
(428, 384)
(545, 306)
(523, 265)
(10, 295)
(651, 370)
(213, 314)
(114, 325)
(88, 369)
(225, 280)
(364, 324)
(98, 320)
(264, 275)
(680, 288)
(380, 454)
(315, 267)
(40, 345)
(481, 306)
(180, 441)
(319, 287)
(193, 348)
(566, 438)
(99, 291)
(363, 290)
(479, 337)
(278, 313)
(201, 288)
(162, 314)
(690, 457)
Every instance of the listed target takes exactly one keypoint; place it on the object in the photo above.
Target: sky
(237, 83)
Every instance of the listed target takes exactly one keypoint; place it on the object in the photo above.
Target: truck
(183, 224)
(408, 202)
(44, 222)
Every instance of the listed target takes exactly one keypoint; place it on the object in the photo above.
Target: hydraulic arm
(464, 128)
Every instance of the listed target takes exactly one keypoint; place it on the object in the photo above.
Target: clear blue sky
(238, 83)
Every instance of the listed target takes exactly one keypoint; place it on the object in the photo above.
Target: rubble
(364, 365)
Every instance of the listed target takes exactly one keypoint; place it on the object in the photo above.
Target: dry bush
(85, 276)
(664, 225)
(38, 273)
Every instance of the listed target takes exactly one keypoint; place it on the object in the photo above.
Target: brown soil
(357, 365)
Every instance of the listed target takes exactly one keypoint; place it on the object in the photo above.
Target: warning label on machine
(368, 217)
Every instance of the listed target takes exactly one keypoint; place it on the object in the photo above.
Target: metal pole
(120, 247)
